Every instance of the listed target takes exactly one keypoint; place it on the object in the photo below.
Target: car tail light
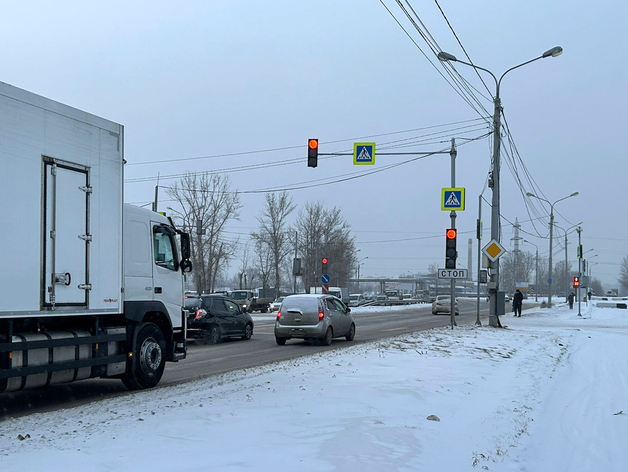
(321, 315)
(278, 315)
(200, 313)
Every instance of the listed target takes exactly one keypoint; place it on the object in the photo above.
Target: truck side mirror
(186, 265)
(185, 246)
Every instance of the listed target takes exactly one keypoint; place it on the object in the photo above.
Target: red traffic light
(313, 143)
(451, 233)
(324, 260)
(576, 281)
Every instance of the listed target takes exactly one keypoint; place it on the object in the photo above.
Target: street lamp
(589, 272)
(551, 239)
(359, 264)
(493, 320)
(536, 273)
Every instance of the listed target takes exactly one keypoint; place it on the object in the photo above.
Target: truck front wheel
(146, 366)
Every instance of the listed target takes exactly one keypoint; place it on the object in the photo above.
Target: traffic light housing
(312, 152)
(576, 281)
(450, 248)
(324, 265)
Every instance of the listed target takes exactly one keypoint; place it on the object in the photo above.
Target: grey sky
(204, 78)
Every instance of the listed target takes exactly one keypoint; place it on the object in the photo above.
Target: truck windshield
(238, 295)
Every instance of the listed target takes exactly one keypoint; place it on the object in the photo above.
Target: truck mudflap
(31, 360)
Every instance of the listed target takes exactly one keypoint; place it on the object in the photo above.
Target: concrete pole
(536, 277)
(493, 320)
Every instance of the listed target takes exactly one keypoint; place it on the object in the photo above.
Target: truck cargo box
(61, 189)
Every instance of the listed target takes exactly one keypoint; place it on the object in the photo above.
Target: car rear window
(300, 303)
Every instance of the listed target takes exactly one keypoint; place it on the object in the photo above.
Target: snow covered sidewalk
(548, 394)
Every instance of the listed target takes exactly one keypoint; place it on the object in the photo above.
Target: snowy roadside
(539, 396)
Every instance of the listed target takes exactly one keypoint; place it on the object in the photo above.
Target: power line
(284, 148)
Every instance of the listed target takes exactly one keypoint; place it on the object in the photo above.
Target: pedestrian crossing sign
(452, 199)
(363, 153)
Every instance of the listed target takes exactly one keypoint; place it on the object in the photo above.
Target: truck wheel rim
(150, 355)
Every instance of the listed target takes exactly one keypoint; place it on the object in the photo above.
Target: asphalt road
(207, 360)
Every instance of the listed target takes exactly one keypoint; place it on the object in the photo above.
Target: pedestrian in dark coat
(517, 301)
(570, 299)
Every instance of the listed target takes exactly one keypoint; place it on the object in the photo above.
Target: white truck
(89, 287)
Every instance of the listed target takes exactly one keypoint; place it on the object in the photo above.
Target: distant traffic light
(324, 265)
(450, 248)
(576, 281)
(312, 152)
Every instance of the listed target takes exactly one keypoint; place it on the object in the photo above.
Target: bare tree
(263, 262)
(596, 287)
(516, 266)
(206, 198)
(273, 234)
(325, 233)
(623, 275)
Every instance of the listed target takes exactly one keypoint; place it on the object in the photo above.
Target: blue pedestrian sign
(325, 279)
(363, 153)
(452, 199)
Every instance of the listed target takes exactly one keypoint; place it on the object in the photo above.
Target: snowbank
(546, 394)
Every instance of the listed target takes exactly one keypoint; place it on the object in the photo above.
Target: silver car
(442, 304)
(314, 316)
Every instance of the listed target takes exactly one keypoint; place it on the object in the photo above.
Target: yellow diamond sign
(493, 250)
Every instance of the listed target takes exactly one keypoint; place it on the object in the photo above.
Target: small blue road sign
(363, 153)
(549, 281)
(452, 199)
(325, 279)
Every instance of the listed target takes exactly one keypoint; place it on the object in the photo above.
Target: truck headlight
(244, 306)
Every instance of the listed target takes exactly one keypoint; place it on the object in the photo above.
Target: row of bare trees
(207, 203)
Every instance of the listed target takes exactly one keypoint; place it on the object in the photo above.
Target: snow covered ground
(550, 393)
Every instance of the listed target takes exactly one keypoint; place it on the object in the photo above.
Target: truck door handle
(157, 289)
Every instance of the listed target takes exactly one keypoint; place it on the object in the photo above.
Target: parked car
(506, 297)
(381, 298)
(274, 306)
(442, 304)
(407, 296)
(313, 316)
(356, 299)
(217, 318)
(191, 302)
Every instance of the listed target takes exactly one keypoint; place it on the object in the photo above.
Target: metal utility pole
(479, 238)
(580, 252)
(452, 215)
(566, 285)
(496, 310)
(296, 255)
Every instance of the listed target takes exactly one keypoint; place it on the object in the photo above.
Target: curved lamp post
(551, 239)
(446, 57)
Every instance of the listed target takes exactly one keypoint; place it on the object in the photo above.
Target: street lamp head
(529, 194)
(445, 56)
(575, 194)
(554, 52)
